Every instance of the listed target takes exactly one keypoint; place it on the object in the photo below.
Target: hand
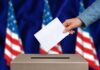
(70, 24)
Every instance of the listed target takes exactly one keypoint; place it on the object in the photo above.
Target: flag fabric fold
(13, 44)
(86, 48)
(47, 17)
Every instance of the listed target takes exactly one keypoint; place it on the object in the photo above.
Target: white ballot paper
(51, 34)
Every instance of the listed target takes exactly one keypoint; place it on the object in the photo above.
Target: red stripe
(92, 44)
(98, 68)
(84, 38)
(83, 54)
(8, 60)
(55, 48)
(79, 45)
(89, 41)
(88, 51)
(95, 56)
(91, 63)
(14, 52)
(42, 51)
(9, 48)
(14, 41)
(76, 52)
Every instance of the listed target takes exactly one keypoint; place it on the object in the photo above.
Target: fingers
(68, 26)
(66, 23)
(71, 31)
(71, 24)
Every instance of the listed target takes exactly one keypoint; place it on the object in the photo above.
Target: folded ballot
(51, 34)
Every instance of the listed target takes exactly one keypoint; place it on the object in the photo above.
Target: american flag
(55, 50)
(47, 17)
(13, 44)
(85, 47)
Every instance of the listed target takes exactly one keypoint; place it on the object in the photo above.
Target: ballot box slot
(50, 57)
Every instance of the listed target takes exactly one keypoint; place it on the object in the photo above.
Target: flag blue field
(13, 44)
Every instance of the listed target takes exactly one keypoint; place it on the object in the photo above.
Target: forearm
(91, 14)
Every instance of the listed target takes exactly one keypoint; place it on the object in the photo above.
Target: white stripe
(80, 30)
(59, 48)
(87, 45)
(8, 53)
(96, 62)
(13, 35)
(13, 57)
(91, 39)
(94, 51)
(13, 46)
(84, 33)
(16, 47)
(87, 35)
(88, 56)
(80, 51)
(82, 42)
(55, 52)
(20, 41)
(52, 52)
(79, 40)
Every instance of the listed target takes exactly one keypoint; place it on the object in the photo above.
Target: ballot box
(49, 62)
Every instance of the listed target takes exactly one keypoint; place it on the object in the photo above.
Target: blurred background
(21, 19)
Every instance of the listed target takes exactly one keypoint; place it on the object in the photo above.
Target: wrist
(81, 23)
